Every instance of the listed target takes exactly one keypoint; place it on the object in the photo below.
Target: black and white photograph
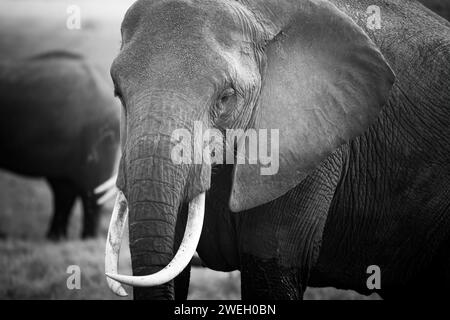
(255, 150)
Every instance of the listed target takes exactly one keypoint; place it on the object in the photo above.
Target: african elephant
(59, 120)
(363, 121)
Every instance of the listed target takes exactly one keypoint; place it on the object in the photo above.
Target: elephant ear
(324, 82)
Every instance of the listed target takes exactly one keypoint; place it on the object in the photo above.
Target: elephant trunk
(155, 187)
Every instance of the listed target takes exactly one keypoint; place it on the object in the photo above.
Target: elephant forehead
(176, 42)
(183, 21)
(161, 18)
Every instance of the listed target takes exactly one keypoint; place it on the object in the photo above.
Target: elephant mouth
(181, 259)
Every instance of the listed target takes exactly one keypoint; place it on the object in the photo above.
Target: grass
(38, 270)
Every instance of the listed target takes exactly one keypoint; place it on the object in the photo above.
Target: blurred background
(32, 266)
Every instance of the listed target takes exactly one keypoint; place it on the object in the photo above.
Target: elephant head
(300, 67)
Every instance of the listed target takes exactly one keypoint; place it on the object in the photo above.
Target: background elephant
(59, 120)
(364, 145)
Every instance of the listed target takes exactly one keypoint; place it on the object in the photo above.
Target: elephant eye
(227, 95)
(227, 98)
(224, 107)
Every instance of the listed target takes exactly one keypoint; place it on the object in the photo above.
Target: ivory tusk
(182, 257)
(109, 194)
(108, 184)
(114, 240)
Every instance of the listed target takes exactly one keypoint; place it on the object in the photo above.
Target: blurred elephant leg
(64, 196)
(91, 215)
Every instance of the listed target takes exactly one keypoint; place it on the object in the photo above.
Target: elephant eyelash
(118, 94)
